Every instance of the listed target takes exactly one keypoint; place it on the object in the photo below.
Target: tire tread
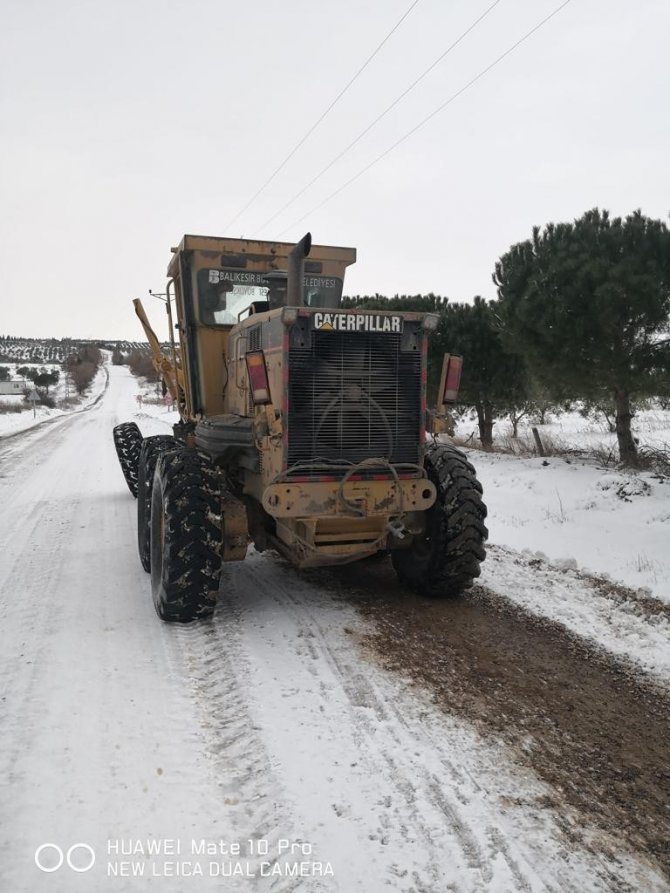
(151, 449)
(128, 443)
(457, 529)
(186, 585)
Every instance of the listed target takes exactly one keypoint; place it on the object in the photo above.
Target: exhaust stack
(296, 271)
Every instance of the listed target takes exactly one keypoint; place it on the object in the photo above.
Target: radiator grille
(353, 396)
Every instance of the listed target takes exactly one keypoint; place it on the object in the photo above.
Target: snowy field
(310, 738)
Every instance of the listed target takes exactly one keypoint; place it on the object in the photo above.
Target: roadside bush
(656, 459)
(141, 365)
(4, 373)
(82, 366)
(10, 406)
(523, 444)
(82, 374)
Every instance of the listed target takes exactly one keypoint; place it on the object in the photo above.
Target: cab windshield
(224, 294)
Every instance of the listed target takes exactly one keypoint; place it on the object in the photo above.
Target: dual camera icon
(50, 857)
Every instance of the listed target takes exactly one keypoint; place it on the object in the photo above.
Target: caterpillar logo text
(357, 322)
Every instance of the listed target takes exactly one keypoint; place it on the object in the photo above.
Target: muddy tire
(446, 560)
(152, 447)
(186, 537)
(128, 443)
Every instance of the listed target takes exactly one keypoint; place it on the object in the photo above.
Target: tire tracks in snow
(100, 733)
(414, 806)
(31, 570)
(248, 789)
(367, 714)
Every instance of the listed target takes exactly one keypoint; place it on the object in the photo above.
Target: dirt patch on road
(588, 725)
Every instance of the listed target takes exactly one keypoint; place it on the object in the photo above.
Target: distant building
(14, 388)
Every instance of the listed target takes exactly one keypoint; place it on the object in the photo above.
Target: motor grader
(302, 428)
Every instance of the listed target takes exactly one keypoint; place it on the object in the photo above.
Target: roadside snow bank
(623, 622)
(612, 523)
(585, 547)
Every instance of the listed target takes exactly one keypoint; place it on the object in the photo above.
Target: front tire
(186, 536)
(446, 559)
(152, 447)
(128, 443)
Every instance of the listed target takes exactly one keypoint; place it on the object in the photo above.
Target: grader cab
(302, 428)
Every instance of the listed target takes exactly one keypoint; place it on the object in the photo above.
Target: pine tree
(493, 378)
(587, 304)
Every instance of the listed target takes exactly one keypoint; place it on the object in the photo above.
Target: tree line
(582, 313)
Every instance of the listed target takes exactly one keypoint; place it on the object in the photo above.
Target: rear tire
(128, 443)
(446, 559)
(152, 447)
(186, 536)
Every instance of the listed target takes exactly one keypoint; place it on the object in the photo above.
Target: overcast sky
(127, 124)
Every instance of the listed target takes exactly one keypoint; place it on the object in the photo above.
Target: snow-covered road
(280, 747)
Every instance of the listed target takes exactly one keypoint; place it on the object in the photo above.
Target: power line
(380, 116)
(322, 116)
(429, 117)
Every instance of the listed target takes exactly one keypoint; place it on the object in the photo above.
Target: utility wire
(323, 115)
(380, 116)
(431, 116)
